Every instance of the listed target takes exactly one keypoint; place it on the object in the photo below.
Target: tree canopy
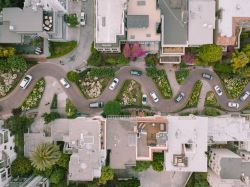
(107, 174)
(21, 167)
(209, 54)
(18, 123)
(239, 60)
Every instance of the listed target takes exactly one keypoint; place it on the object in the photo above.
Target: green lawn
(194, 98)
(58, 49)
(19, 143)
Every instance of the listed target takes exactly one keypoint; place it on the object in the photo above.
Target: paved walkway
(17, 96)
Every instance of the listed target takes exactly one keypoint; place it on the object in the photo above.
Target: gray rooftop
(7, 36)
(232, 168)
(174, 28)
(137, 21)
(24, 20)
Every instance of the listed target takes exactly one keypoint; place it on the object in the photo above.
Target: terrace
(47, 21)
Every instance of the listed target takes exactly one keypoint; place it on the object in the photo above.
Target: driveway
(151, 178)
(16, 98)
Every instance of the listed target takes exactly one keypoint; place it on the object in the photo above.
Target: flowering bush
(194, 98)
(35, 96)
(8, 79)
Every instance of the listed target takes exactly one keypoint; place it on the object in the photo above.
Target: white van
(25, 82)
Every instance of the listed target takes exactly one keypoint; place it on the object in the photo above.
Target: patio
(47, 21)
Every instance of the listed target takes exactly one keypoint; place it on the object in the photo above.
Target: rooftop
(109, 20)
(202, 21)
(227, 128)
(187, 144)
(143, 20)
(24, 20)
(82, 139)
(237, 9)
(174, 23)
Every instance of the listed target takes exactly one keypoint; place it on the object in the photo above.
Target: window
(141, 3)
(132, 36)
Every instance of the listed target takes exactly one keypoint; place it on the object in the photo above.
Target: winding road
(18, 95)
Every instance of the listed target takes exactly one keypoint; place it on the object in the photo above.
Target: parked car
(179, 97)
(154, 96)
(114, 84)
(96, 105)
(233, 105)
(136, 72)
(83, 19)
(26, 81)
(144, 99)
(244, 96)
(65, 83)
(207, 76)
(218, 90)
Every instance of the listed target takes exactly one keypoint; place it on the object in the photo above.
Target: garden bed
(35, 96)
(161, 81)
(130, 93)
(234, 86)
(181, 75)
(58, 49)
(211, 99)
(194, 98)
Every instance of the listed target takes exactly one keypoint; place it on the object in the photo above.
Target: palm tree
(44, 156)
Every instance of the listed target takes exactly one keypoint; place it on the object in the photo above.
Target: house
(232, 18)
(7, 155)
(185, 23)
(110, 25)
(143, 24)
(85, 140)
(227, 169)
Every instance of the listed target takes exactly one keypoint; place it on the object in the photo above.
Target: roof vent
(11, 27)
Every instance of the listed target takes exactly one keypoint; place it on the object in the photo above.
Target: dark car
(136, 72)
(179, 97)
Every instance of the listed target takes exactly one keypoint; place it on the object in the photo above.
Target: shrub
(181, 75)
(151, 60)
(17, 63)
(16, 111)
(209, 54)
(112, 108)
(210, 99)
(21, 167)
(95, 58)
(71, 19)
(70, 109)
(7, 52)
(211, 112)
(194, 98)
(239, 60)
(107, 174)
(54, 102)
(63, 161)
(223, 68)
(133, 182)
(158, 161)
(101, 72)
(58, 49)
(48, 117)
(57, 175)
(141, 166)
(73, 76)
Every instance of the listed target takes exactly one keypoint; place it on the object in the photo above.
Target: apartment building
(110, 25)
(227, 169)
(85, 140)
(233, 17)
(7, 155)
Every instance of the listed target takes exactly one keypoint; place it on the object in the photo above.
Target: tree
(63, 161)
(112, 108)
(151, 60)
(48, 117)
(18, 124)
(141, 166)
(95, 58)
(136, 51)
(189, 58)
(73, 76)
(72, 20)
(44, 156)
(17, 63)
(209, 54)
(16, 111)
(57, 175)
(107, 174)
(21, 167)
(158, 161)
(239, 60)
(126, 51)
(133, 182)
(7, 52)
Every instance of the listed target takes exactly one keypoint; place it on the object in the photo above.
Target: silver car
(154, 96)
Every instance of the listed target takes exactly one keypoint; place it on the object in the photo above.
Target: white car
(25, 82)
(144, 99)
(114, 84)
(233, 105)
(218, 90)
(83, 18)
(65, 83)
(154, 96)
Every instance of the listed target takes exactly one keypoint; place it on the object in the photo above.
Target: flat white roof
(201, 22)
(109, 20)
(183, 130)
(227, 128)
(230, 9)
